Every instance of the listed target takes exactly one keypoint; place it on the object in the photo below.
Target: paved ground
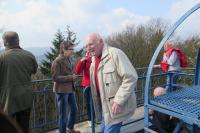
(131, 128)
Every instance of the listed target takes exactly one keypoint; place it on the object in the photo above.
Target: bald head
(93, 37)
(94, 43)
(10, 38)
(158, 91)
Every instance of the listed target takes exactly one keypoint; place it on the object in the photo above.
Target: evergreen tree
(45, 66)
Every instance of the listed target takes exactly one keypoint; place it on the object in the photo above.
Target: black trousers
(22, 118)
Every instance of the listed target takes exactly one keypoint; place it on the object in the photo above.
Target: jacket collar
(65, 59)
(12, 47)
(104, 51)
(105, 55)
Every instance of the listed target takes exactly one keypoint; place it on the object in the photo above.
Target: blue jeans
(171, 79)
(87, 92)
(110, 128)
(67, 109)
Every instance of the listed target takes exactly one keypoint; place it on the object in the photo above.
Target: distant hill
(38, 52)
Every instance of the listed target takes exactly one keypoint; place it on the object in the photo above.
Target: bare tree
(139, 43)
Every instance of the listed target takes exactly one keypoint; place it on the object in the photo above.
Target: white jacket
(117, 81)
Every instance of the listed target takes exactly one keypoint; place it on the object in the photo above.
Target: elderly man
(16, 67)
(113, 80)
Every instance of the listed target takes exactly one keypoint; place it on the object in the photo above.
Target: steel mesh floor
(185, 101)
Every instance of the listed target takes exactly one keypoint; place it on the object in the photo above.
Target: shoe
(72, 131)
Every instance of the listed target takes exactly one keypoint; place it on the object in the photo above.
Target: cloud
(76, 10)
(180, 7)
(37, 21)
(33, 23)
(119, 18)
(3, 3)
(191, 24)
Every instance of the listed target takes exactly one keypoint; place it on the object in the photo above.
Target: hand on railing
(74, 76)
(156, 66)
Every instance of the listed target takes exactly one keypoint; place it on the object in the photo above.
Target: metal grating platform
(185, 101)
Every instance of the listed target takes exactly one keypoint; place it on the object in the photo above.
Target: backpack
(183, 59)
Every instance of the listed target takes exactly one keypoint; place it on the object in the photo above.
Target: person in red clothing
(83, 66)
(173, 61)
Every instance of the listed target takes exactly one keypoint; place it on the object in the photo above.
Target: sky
(37, 21)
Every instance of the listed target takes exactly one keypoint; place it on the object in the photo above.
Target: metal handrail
(47, 90)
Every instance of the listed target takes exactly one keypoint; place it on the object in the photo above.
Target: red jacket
(84, 68)
(168, 53)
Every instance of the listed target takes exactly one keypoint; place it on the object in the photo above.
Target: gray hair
(10, 38)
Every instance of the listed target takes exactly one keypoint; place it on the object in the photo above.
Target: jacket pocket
(111, 82)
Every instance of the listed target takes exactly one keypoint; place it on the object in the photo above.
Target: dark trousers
(22, 118)
(163, 122)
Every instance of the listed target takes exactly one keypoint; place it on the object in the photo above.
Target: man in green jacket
(16, 67)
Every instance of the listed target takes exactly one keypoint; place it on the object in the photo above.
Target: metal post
(92, 112)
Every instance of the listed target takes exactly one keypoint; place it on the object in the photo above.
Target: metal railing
(44, 112)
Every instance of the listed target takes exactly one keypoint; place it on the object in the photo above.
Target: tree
(139, 43)
(190, 47)
(45, 66)
(1, 31)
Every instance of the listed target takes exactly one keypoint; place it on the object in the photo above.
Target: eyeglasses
(91, 44)
(70, 49)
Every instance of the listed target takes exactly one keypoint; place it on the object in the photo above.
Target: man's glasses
(70, 49)
(89, 45)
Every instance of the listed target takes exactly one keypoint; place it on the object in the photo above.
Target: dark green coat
(16, 67)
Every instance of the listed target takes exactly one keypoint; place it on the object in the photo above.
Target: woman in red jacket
(83, 66)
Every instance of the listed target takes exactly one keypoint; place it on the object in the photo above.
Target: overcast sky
(37, 21)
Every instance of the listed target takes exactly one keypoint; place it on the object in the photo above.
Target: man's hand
(83, 59)
(74, 76)
(116, 108)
